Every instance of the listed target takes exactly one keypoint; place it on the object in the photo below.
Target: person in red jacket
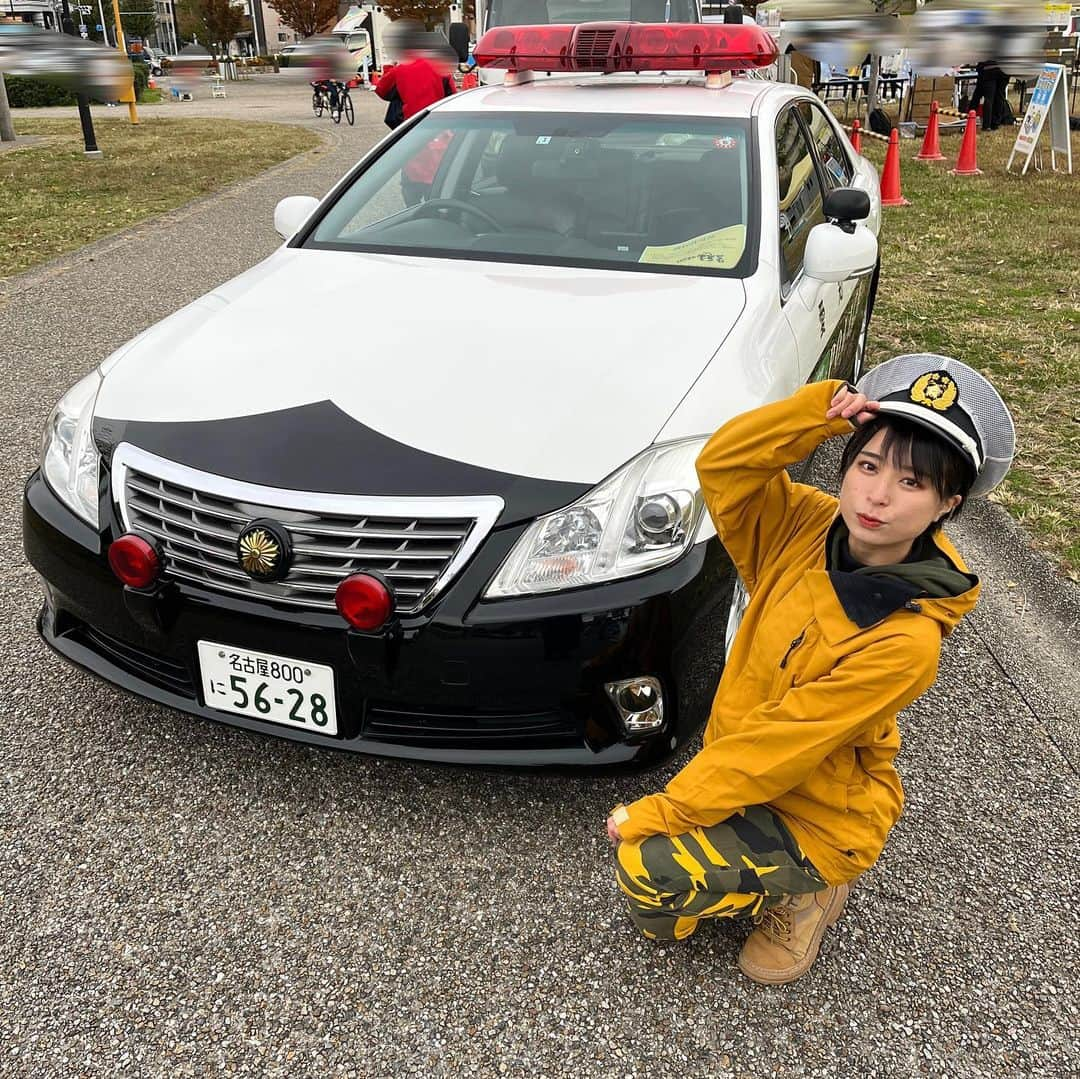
(421, 77)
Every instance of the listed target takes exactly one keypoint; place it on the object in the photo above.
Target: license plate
(293, 692)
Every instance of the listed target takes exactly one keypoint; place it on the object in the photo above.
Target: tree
(306, 17)
(136, 19)
(429, 12)
(213, 22)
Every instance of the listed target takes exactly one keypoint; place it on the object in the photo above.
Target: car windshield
(663, 193)
(565, 12)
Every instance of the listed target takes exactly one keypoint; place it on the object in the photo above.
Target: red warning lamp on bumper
(134, 560)
(365, 601)
(611, 47)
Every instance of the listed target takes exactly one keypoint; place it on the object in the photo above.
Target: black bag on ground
(880, 123)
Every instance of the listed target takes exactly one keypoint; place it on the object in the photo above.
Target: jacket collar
(846, 604)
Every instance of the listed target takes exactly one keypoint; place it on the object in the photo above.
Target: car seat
(525, 201)
(687, 199)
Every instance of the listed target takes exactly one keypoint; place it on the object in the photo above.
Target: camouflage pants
(732, 870)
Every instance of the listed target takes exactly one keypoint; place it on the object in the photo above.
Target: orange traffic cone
(931, 147)
(890, 175)
(856, 136)
(967, 162)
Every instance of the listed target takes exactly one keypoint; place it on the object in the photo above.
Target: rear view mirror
(291, 212)
(833, 253)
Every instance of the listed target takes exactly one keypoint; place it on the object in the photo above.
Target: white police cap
(959, 404)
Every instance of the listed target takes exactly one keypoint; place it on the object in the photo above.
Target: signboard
(1049, 99)
(1058, 14)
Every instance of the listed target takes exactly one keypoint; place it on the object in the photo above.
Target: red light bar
(626, 46)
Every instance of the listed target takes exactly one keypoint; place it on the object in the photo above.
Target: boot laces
(775, 923)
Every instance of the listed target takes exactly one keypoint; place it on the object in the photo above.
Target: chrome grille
(417, 544)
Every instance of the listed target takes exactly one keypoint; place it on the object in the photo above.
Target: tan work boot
(785, 943)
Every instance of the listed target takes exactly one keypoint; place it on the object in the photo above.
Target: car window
(666, 193)
(835, 163)
(799, 193)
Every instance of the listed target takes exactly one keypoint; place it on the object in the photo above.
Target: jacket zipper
(791, 648)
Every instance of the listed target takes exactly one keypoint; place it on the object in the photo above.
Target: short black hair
(932, 458)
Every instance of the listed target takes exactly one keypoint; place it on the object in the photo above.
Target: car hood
(553, 373)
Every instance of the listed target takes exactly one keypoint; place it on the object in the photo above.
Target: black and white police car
(463, 523)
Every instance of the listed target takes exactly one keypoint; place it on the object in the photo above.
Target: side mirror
(845, 206)
(291, 213)
(835, 254)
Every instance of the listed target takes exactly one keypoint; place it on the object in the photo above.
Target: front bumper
(512, 682)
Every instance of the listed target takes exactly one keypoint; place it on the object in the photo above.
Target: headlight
(643, 516)
(69, 459)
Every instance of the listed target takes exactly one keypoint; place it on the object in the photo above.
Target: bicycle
(337, 103)
(344, 105)
(320, 98)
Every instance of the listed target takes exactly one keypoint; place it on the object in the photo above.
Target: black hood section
(868, 599)
(319, 448)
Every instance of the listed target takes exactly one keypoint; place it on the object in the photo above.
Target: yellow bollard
(128, 96)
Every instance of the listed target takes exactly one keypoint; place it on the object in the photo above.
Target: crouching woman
(794, 792)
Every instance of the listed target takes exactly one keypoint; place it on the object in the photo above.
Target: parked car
(469, 527)
(153, 65)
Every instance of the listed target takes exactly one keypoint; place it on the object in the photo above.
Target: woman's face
(885, 507)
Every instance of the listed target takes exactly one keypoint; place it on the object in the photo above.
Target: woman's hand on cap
(613, 832)
(853, 406)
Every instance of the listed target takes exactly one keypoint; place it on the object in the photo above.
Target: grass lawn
(56, 199)
(987, 269)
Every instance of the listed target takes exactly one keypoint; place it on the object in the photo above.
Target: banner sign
(1048, 100)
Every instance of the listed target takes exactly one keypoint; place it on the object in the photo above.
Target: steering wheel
(426, 209)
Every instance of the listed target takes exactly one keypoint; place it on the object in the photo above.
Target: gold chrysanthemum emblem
(935, 390)
(259, 551)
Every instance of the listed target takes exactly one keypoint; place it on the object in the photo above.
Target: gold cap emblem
(259, 552)
(935, 390)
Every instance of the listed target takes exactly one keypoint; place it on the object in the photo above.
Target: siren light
(611, 47)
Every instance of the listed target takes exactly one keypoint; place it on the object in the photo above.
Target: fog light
(365, 601)
(639, 702)
(135, 560)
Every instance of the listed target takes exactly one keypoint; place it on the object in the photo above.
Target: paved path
(178, 898)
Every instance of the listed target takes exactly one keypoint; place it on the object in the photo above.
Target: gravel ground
(178, 898)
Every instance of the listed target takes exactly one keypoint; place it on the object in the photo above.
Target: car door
(811, 308)
(846, 301)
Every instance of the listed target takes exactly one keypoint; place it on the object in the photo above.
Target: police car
(468, 528)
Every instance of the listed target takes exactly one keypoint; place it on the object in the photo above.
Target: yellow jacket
(804, 718)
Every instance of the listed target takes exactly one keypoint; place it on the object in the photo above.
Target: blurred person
(990, 89)
(422, 75)
(794, 792)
